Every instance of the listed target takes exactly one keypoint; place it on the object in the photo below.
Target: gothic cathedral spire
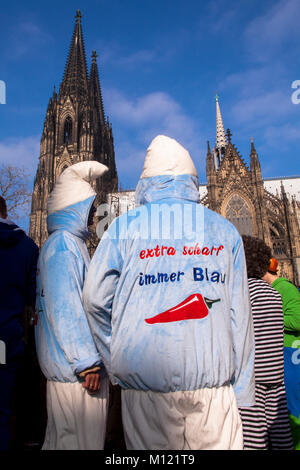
(75, 129)
(75, 80)
(254, 163)
(95, 89)
(221, 141)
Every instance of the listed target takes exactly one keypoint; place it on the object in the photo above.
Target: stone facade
(75, 129)
(239, 194)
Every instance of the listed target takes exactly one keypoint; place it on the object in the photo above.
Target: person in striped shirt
(266, 425)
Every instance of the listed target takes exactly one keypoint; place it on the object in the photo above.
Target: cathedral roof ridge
(270, 178)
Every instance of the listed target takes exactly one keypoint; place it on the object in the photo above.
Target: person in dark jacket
(18, 258)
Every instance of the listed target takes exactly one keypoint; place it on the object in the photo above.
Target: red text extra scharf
(162, 250)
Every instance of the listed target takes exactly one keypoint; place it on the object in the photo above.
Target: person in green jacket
(291, 311)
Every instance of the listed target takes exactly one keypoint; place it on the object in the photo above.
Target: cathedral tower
(237, 192)
(75, 129)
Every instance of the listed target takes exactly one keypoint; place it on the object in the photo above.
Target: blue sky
(160, 64)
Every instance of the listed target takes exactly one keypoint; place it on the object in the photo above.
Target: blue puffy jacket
(64, 342)
(167, 295)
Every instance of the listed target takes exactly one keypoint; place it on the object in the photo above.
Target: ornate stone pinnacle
(94, 56)
(229, 135)
(78, 15)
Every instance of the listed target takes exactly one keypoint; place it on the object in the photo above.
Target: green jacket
(291, 310)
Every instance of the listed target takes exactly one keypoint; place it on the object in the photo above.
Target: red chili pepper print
(194, 307)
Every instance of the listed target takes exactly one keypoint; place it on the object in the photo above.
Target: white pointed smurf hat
(74, 185)
(165, 156)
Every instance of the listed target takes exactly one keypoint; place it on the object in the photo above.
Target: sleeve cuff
(92, 370)
(90, 362)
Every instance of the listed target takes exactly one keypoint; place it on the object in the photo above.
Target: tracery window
(81, 125)
(278, 240)
(68, 130)
(238, 212)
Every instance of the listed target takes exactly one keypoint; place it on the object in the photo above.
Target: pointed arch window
(81, 129)
(238, 213)
(68, 125)
(278, 240)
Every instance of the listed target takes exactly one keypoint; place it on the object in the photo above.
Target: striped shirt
(266, 305)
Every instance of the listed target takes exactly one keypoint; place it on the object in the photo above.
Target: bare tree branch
(14, 189)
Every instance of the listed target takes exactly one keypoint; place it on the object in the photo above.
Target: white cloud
(21, 152)
(155, 111)
(262, 97)
(261, 105)
(268, 34)
(255, 80)
(283, 135)
(26, 36)
(263, 108)
(137, 121)
(112, 53)
(139, 57)
(165, 46)
(222, 18)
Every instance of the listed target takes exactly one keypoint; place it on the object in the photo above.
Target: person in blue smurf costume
(77, 383)
(167, 300)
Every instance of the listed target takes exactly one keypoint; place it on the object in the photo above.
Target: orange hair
(273, 265)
